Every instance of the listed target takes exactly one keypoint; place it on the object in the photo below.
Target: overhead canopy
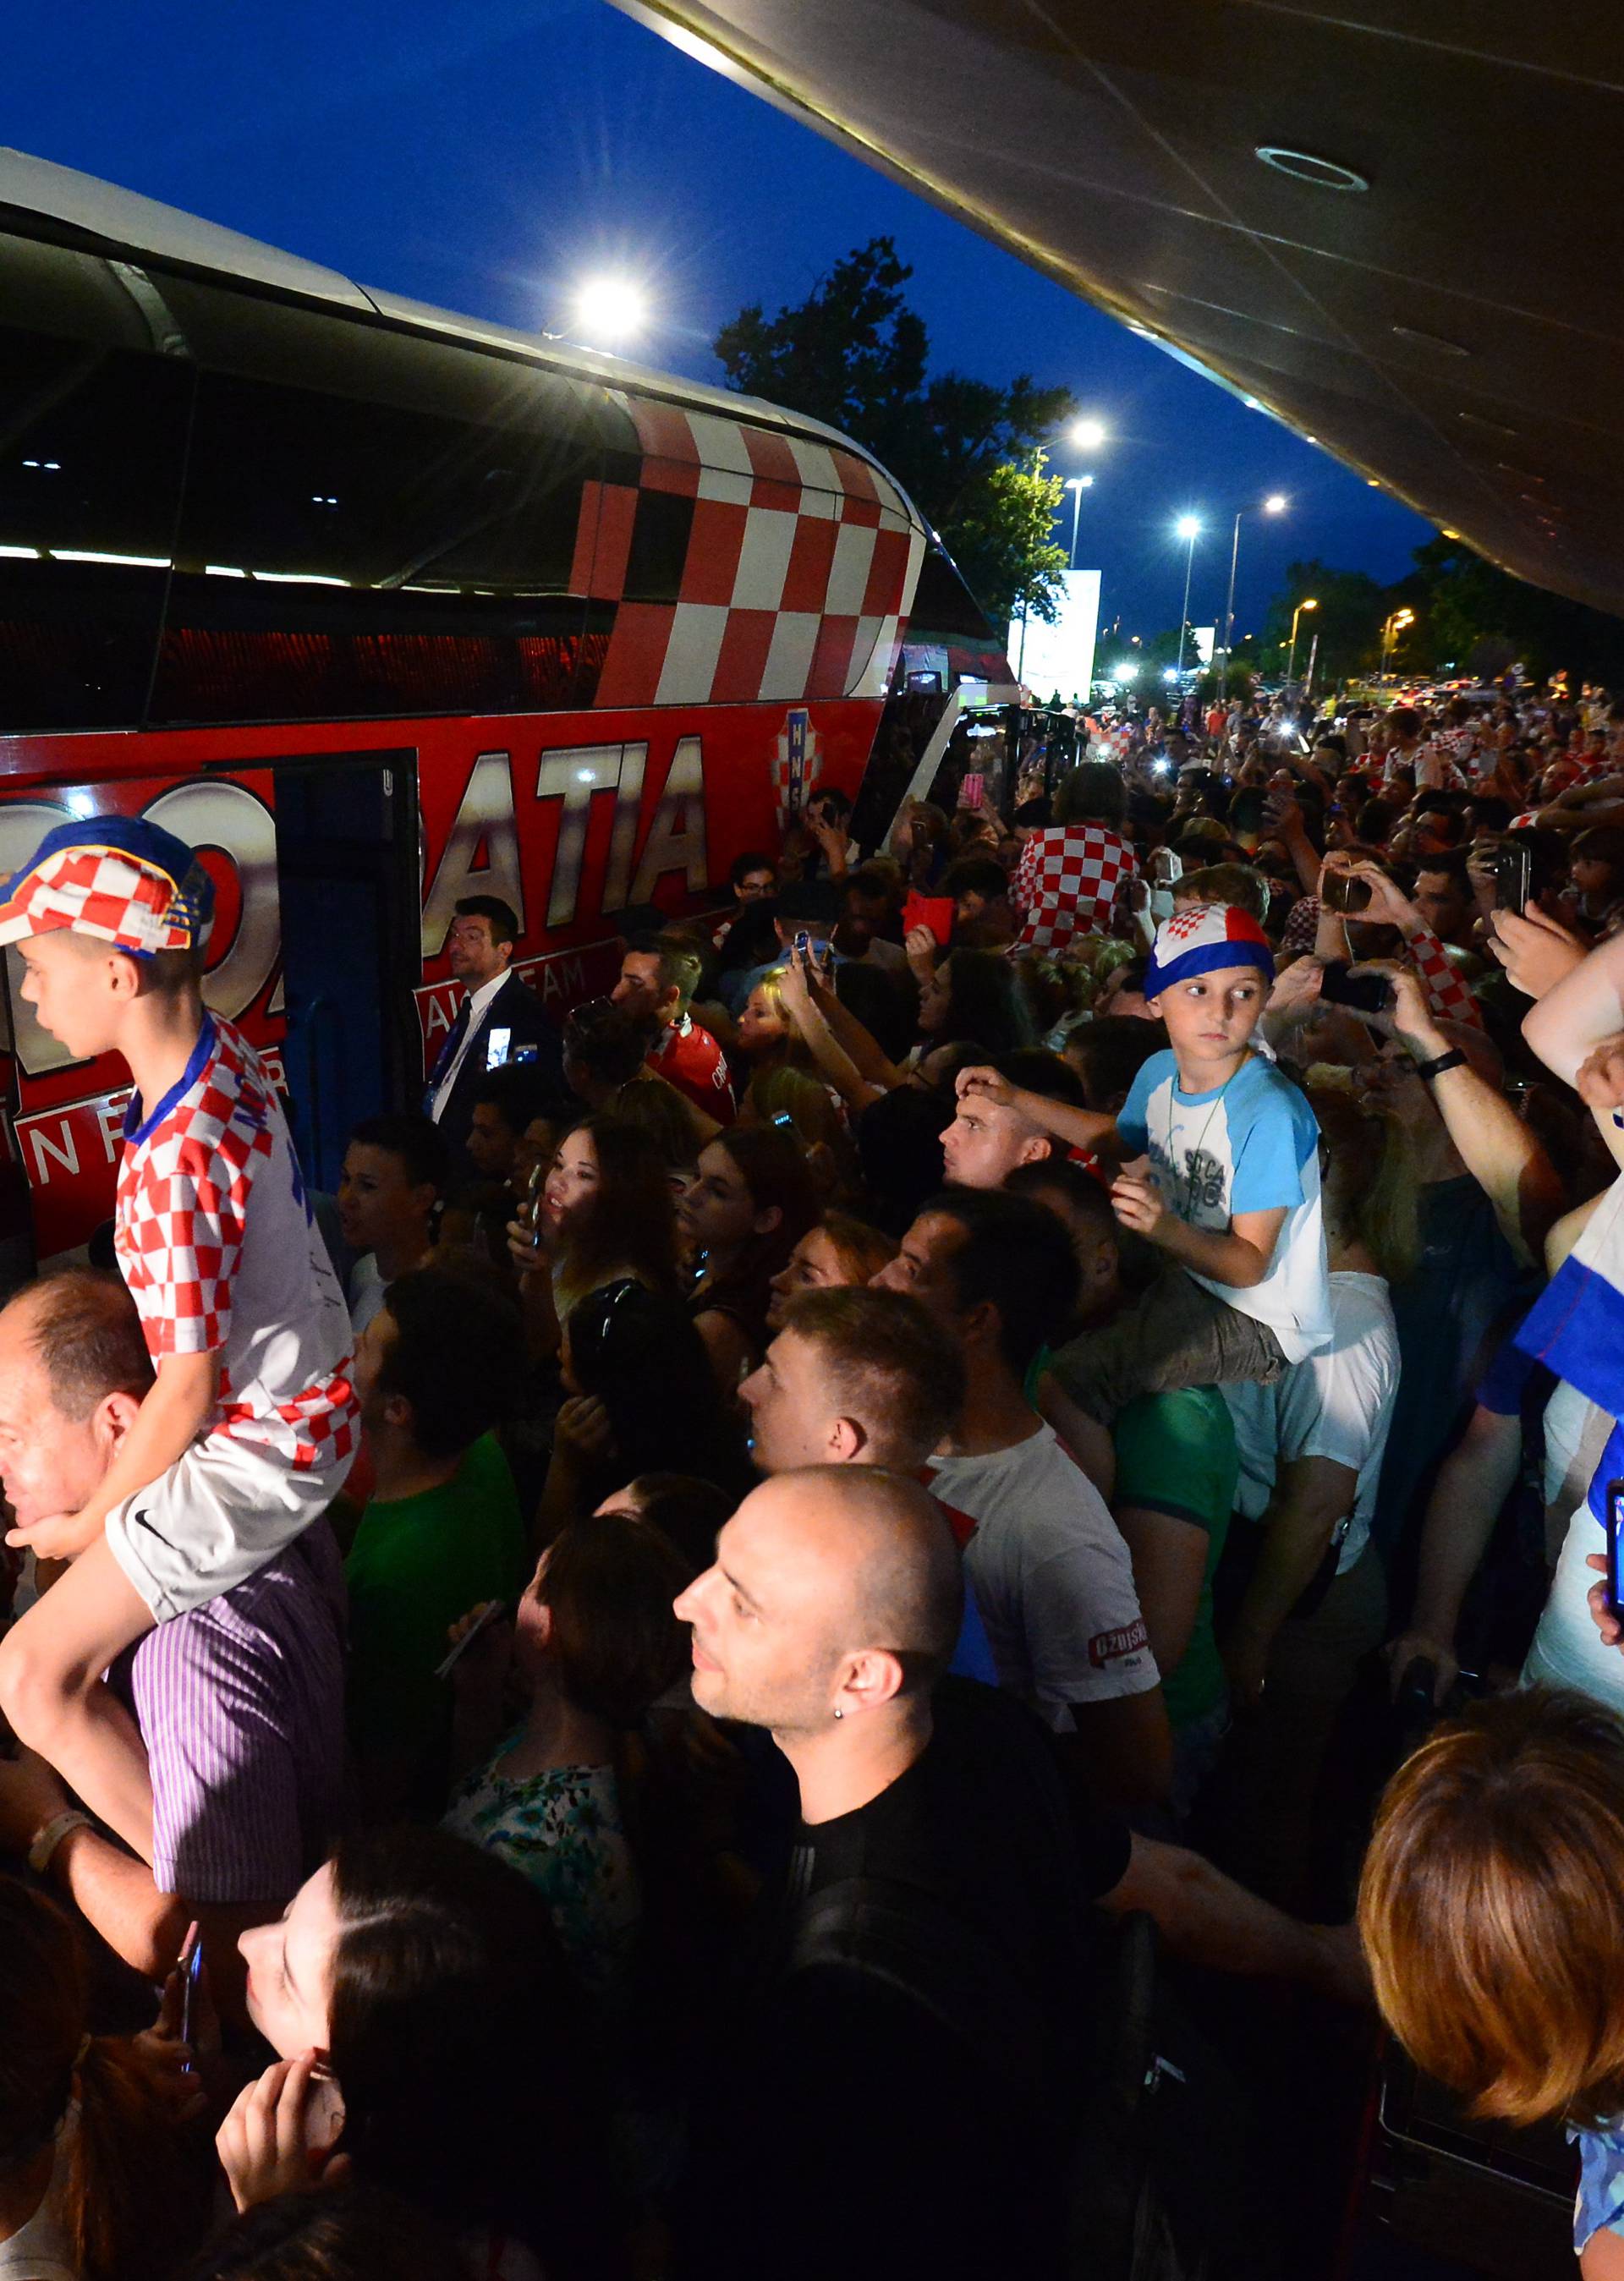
(1442, 308)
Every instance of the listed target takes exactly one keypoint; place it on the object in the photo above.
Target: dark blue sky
(484, 157)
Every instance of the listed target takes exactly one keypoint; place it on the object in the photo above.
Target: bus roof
(121, 225)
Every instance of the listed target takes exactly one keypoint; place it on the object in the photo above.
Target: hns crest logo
(800, 763)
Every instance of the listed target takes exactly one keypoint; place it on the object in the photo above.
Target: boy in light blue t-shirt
(1220, 1171)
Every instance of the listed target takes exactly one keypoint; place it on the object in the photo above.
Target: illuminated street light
(1276, 503)
(610, 309)
(1189, 527)
(1311, 604)
(1088, 435)
(1390, 631)
(1128, 669)
(1077, 485)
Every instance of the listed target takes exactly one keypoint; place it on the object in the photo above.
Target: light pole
(1390, 632)
(1291, 662)
(1077, 485)
(1189, 529)
(1275, 504)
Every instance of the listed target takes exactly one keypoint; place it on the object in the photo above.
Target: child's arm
(1239, 1254)
(1090, 1130)
(1580, 1012)
(179, 1404)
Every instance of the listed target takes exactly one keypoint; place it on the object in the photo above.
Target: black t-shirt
(864, 2113)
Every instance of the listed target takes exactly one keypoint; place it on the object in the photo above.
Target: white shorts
(222, 1510)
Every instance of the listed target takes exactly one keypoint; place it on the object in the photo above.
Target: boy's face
(1210, 1017)
(78, 988)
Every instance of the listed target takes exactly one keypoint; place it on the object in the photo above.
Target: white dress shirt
(479, 1006)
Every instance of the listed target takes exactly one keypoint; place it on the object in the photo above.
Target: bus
(379, 606)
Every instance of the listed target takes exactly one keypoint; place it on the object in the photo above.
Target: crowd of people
(597, 1702)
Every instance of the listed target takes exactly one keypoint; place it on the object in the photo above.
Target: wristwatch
(1453, 1059)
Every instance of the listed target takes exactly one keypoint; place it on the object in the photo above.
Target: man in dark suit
(498, 1021)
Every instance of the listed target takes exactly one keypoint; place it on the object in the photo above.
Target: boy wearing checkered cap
(1219, 1170)
(251, 1423)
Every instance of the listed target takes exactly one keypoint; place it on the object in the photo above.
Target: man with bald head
(934, 1857)
(907, 2075)
(240, 1703)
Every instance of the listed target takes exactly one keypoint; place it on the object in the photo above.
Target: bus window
(375, 526)
(92, 433)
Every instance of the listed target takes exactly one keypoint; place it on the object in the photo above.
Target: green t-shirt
(1176, 1454)
(417, 1564)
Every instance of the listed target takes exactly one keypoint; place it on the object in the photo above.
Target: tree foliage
(1470, 617)
(1347, 621)
(969, 453)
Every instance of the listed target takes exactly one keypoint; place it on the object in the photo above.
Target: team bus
(381, 606)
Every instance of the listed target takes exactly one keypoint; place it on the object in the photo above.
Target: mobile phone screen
(1615, 1554)
(191, 1974)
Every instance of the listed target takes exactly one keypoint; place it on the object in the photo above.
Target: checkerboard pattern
(1447, 994)
(800, 567)
(180, 1222)
(1066, 882)
(104, 893)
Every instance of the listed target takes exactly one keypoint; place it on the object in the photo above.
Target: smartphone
(496, 1049)
(489, 1614)
(1166, 869)
(1615, 1527)
(1514, 877)
(972, 790)
(191, 1976)
(1345, 894)
(1365, 994)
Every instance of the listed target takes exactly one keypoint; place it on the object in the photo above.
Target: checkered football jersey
(1066, 882)
(221, 1255)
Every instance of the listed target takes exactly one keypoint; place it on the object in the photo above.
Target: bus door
(347, 880)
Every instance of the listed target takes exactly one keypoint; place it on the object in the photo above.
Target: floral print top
(564, 1830)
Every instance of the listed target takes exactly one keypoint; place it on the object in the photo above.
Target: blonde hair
(1491, 1908)
(1383, 1184)
(782, 1089)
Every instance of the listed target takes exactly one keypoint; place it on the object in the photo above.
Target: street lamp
(609, 309)
(1275, 504)
(1088, 435)
(1189, 528)
(1391, 631)
(1077, 485)
(1291, 662)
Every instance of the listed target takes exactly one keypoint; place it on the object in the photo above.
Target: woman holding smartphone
(432, 2042)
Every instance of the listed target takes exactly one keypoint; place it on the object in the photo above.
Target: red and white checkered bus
(382, 607)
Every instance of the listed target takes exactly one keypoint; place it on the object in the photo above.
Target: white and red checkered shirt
(1447, 994)
(1066, 882)
(221, 1255)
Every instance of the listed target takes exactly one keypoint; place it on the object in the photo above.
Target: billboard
(1048, 658)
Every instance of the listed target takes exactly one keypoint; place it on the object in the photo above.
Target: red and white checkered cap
(118, 879)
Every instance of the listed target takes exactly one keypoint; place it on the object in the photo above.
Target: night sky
(487, 156)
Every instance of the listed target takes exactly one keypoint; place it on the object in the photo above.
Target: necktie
(447, 1054)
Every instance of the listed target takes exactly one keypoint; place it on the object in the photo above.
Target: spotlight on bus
(609, 310)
